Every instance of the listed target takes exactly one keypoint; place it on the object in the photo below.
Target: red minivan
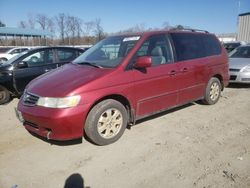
(122, 79)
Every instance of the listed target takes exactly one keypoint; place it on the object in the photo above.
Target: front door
(156, 87)
(38, 63)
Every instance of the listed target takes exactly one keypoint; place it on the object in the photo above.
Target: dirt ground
(193, 146)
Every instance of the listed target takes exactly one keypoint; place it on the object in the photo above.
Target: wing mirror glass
(22, 64)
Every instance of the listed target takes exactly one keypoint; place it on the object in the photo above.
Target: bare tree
(70, 27)
(22, 24)
(88, 27)
(42, 20)
(98, 30)
(61, 25)
(31, 21)
(73, 27)
(45, 22)
(50, 25)
(136, 28)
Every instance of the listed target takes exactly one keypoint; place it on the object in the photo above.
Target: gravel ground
(192, 146)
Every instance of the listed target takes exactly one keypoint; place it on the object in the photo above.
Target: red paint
(147, 90)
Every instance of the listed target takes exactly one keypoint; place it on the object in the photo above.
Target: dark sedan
(16, 73)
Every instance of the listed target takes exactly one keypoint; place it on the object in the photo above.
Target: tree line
(72, 30)
(69, 29)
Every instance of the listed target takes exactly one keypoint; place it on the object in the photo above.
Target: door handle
(172, 72)
(184, 70)
(47, 70)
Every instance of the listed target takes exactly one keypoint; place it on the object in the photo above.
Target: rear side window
(39, 58)
(192, 46)
(211, 45)
(66, 55)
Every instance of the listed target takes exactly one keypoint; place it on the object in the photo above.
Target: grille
(245, 79)
(233, 77)
(234, 70)
(30, 99)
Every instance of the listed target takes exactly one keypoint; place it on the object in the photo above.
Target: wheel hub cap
(110, 123)
(214, 91)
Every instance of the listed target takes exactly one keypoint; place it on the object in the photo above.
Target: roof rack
(192, 30)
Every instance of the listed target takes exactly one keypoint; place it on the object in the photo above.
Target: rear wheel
(106, 122)
(213, 91)
(4, 95)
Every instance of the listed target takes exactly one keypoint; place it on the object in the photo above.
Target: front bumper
(239, 77)
(54, 124)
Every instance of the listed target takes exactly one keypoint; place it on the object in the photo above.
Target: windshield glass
(240, 52)
(109, 52)
(231, 46)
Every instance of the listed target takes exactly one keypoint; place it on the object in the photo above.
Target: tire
(4, 95)
(213, 91)
(106, 122)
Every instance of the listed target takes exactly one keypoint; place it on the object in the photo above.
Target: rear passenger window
(211, 45)
(66, 55)
(187, 46)
(191, 46)
(158, 47)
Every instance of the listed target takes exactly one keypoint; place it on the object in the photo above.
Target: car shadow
(79, 141)
(238, 85)
(165, 112)
(58, 143)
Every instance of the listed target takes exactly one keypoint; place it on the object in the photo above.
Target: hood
(238, 63)
(65, 80)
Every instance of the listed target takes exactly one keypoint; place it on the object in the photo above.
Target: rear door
(191, 62)
(156, 87)
(38, 63)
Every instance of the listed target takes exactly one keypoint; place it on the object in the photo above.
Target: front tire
(106, 122)
(4, 95)
(213, 91)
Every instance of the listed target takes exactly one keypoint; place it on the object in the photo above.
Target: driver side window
(39, 58)
(158, 47)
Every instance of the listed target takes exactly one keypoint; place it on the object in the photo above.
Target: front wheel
(106, 122)
(4, 95)
(213, 91)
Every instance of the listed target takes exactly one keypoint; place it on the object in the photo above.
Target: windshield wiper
(90, 64)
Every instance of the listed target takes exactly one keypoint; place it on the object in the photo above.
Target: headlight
(246, 69)
(65, 102)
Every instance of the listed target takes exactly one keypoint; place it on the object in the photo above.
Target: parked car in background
(230, 46)
(16, 73)
(5, 56)
(239, 65)
(4, 49)
(122, 79)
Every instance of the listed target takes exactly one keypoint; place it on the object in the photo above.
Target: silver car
(239, 65)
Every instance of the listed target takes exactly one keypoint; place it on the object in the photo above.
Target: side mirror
(22, 64)
(143, 62)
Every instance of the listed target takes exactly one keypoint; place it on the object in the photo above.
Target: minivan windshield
(109, 52)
